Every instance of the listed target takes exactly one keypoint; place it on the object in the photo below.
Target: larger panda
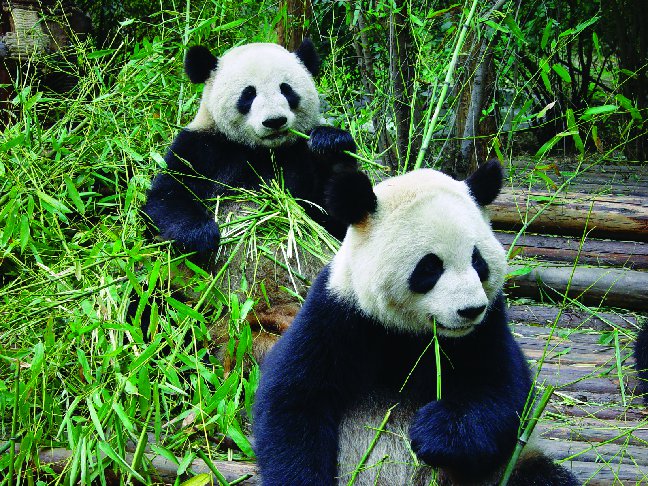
(419, 254)
(253, 95)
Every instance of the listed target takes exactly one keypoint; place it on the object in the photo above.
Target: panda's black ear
(486, 182)
(349, 197)
(308, 56)
(199, 63)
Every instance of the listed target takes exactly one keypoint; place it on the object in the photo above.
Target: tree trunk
(295, 24)
(402, 74)
(632, 50)
(368, 75)
(474, 144)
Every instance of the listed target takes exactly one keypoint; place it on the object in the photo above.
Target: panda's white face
(427, 254)
(256, 93)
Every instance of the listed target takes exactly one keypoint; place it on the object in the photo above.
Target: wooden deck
(593, 420)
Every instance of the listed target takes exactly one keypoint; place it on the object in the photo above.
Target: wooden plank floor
(593, 420)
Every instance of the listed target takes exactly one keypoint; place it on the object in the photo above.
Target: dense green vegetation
(75, 372)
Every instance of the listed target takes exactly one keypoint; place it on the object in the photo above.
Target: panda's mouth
(276, 135)
(465, 328)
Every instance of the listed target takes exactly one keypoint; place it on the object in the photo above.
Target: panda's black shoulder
(202, 150)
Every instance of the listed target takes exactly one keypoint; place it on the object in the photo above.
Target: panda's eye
(480, 265)
(426, 274)
(244, 103)
(290, 95)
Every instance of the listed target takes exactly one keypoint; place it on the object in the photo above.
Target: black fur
(486, 182)
(199, 63)
(308, 56)
(641, 362)
(350, 197)
(480, 265)
(290, 95)
(244, 103)
(202, 165)
(540, 470)
(333, 355)
(426, 274)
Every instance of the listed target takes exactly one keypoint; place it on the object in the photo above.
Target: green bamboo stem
(526, 434)
(437, 359)
(446, 85)
(365, 456)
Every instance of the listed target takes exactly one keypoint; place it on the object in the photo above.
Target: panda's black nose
(275, 123)
(471, 312)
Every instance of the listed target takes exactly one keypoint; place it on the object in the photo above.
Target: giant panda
(419, 253)
(253, 95)
(240, 140)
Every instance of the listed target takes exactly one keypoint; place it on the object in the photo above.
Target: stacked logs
(591, 245)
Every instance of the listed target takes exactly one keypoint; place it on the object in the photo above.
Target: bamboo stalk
(446, 85)
(367, 453)
(528, 430)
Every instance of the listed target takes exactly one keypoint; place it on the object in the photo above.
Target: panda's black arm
(176, 202)
(305, 383)
(473, 429)
(174, 205)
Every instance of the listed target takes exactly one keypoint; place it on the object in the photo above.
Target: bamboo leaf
(52, 202)
(598, 110)
(24, 232)
(74, 194)
(546, 33)
(515, 28)
(185, 310)
(198, 480)
(562, 72)
(95, 419)
(119, 461)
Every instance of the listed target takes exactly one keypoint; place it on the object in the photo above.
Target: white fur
(264, 66)
(391, 461)
(418, 213)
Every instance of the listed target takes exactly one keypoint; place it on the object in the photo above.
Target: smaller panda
(240, 136)
(419, 253)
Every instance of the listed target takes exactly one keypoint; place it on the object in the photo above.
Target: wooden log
(619, 218)
(626, 289)
(628, 254)
(584, 452)
(594, 431)
(571, 318)
(164, 469)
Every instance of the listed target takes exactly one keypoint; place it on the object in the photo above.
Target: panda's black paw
(445, 438)
(325, 141)
(202, 238)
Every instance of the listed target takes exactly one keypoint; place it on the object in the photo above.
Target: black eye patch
(244, 102)
(480, 265)
(426, 274)
(292, 97)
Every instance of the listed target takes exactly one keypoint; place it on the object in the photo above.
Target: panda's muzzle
(275, 123)
(471, 312)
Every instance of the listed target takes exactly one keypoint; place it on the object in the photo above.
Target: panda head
(419, 249)
(254, 93)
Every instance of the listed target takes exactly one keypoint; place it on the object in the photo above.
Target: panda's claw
(326, 140)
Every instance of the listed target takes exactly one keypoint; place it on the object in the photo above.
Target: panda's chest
(294, 170)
